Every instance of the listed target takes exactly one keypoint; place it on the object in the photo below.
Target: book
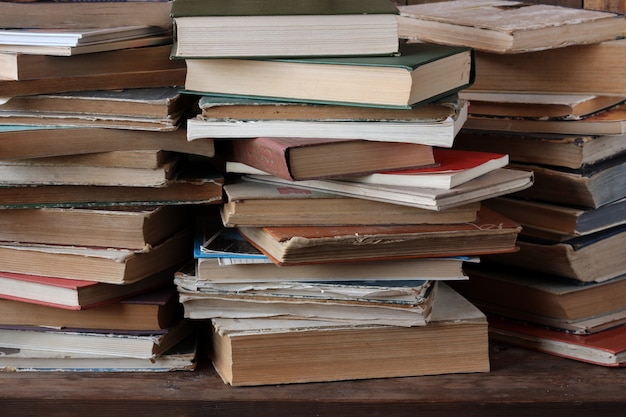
(70, 293)
(615, 6)
(499, 182)
(16, 57)
(452, 168)
(591, 187)
(558, 222)
(158, 103)
(431, 123)
(605, 348)
(130, 227)
(108, 265)
(259, 204)
(523, 290)
(507, 27)
(405, 303)
(568, 151)
(74, 37)
(538, 105)
(146, 67)
(552, 70)
(268, 28)
(312, 351)
(156, 309)
(181, 357)
(129, 344)
(208, 270)
(591, 258)
(49, 14)
(21, 142)
(147, 159)
(315, 244)
(34, 172)
(607, 122)
(302, 158)
(193, 185)
(420, 73)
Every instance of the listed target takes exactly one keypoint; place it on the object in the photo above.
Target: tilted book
(504, 26)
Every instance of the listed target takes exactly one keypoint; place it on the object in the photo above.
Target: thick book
(605, 348)
(419, 74)
(315, 244)
(108, 265)
(569, 151)
(250, 203)
(606, 122)
(70, 293)
(261, 28)
(76, 15)
(558, 222)
(20, 142)
(301, 158)
(452, 168)
(591, 69)
(507, 27)
(310, 350)
(156, 103)
(498, 182)
(128, 344)
(193, 185)
(538, 105)
(130, 227)
(155, 309)
(524, 290)
(446, 268)
(54, 172)
(434, 123)
(147, 67)
(181, 357)
(595, 257)
(148, 159)
(592, 186)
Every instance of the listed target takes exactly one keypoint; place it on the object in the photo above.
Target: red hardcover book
(309, 158)
(71, 293)
(452, 167)
(490, 233)
(607, 348)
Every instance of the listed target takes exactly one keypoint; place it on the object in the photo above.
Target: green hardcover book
(419, 73)
(261, 28)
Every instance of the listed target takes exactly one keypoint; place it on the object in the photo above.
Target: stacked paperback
(345, 208)
(557, 110)
(97, 183)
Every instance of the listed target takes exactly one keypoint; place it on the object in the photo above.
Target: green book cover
(182, 8)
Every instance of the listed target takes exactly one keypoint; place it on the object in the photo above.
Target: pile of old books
(560, 112)
(345, 206)
(95, 191)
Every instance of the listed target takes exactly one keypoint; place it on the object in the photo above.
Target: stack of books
(97, 185)
(557, 111)
(344, 205)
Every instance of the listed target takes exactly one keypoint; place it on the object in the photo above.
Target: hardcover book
(240, 28)
(507, 27)
(420, 73)
(302, 158)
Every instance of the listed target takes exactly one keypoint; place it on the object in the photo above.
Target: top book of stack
(277, 28)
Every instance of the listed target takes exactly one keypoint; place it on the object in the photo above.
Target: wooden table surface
(521, 383)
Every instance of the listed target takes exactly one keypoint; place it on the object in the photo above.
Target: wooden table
(521, 383)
